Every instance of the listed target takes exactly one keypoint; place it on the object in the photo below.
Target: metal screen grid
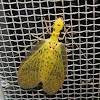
(20, 17)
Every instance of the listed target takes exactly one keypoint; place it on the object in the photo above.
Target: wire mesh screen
(18, 18)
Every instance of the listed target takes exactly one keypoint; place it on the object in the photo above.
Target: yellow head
(58, 25)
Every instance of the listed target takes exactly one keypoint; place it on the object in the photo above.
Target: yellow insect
(46, 63)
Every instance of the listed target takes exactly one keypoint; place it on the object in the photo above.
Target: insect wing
(28, 73)
(64, 58)
(54, 74)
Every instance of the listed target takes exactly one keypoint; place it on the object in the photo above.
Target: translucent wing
(53, 70)
(64, 58)
(28, 73)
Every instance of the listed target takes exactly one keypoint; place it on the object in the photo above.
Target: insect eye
(58, 24)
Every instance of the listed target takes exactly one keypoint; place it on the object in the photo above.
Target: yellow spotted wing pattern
(53, 73)
(28, 73)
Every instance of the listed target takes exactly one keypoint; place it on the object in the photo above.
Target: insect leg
(36, 36)
(78, 47)
(33, 42)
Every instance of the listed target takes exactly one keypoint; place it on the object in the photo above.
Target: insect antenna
(46, 26)
(65, 33)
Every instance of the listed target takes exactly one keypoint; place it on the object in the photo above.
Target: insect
(47, 63)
